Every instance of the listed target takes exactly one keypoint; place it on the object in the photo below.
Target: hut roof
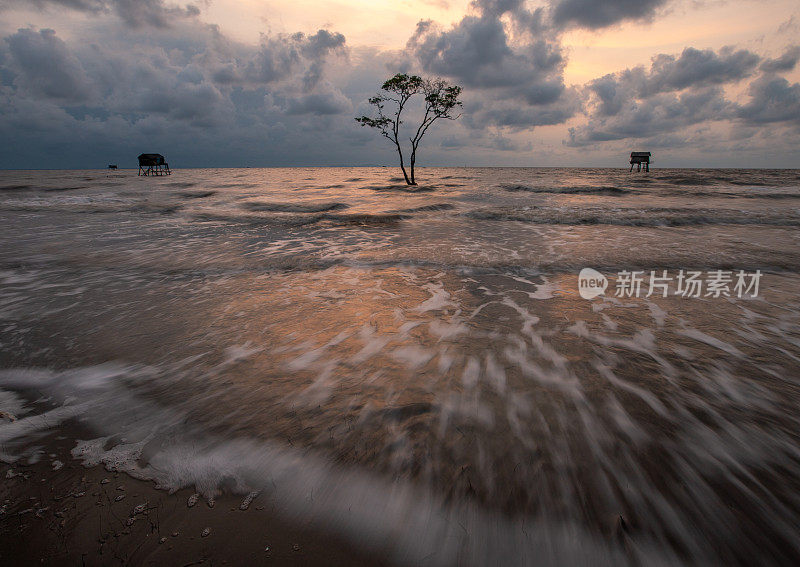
(151, 159)
(640, 154)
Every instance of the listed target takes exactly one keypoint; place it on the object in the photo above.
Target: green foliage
(403, 84)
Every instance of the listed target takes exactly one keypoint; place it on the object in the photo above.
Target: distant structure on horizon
(112, 166)
(639, 158)
(153, 164)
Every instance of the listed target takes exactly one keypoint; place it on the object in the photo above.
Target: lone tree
(441, 100)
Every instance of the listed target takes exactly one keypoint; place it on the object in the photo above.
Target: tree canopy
(440, 100)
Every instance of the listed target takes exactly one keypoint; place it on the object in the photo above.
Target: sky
(260, 83)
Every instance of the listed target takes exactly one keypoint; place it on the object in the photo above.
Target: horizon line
(625, 167)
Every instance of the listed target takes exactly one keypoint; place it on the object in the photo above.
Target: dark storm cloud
(772, 100)
(513, 59)
(677, 92)
(510, 63)
(784, 63)
(316, 49)
(279, 57)
(325, 103)
(135, 13)
(140, 13)
(611, 95)
(474, 52)
(656, 116)
(486, 141)
(149, 76)
(692, 69)
(485, 113)
(198, 103)
(274, 60)
(43, 65)
(187, 84)
(478, 51)
(697, 67)
(596, 14)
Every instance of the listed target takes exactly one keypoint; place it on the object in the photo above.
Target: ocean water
(417, 369)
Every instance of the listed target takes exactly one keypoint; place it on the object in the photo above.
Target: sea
(423, 370)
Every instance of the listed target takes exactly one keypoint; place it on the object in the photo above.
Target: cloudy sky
(212, 83)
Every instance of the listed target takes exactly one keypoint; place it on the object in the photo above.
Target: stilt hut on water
(153, 164)
(639, 158)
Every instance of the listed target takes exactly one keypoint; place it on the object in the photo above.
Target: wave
(196, 194)
(94, 208)
(65, 188)
(771, 195)
(427, 208)
(652, 217)
(365, 219)
(303, 219)
(15, 187)
(726, 194)
(705, 178)
(602, 190)
(288, 220)
(750, 182)
(235, 185)
(181, 184)
(133, 435)
(404, 188)
(294, 207)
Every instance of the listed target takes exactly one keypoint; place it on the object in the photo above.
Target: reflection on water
(417, 368)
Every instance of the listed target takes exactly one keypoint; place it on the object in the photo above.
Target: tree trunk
(413, 165)
(403, 167)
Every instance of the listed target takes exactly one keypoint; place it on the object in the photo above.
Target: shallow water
(417, 367)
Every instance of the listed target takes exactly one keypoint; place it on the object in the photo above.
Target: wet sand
(74, 515)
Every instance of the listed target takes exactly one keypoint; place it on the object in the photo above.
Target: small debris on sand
(119, 497)
(248, 500)
(193, 500)
(621, 528)
(206, 532)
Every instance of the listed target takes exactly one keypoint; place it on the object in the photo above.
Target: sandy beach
(57, 512)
